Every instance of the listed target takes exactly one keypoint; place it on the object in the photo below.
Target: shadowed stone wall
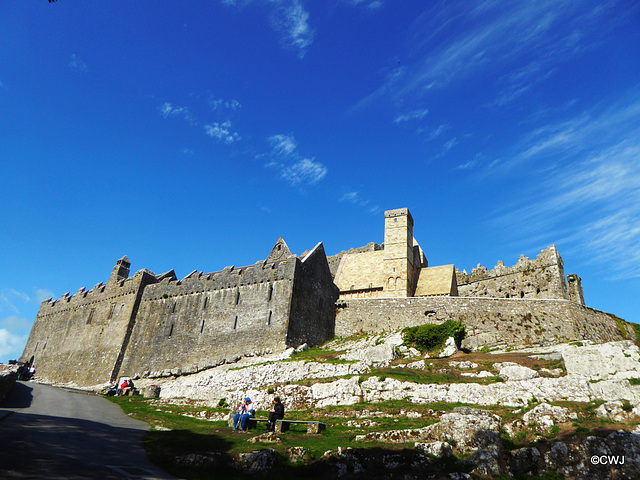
(157, 323)
(206, 319)
(80, 338)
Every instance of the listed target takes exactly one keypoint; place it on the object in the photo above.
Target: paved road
(52, 433)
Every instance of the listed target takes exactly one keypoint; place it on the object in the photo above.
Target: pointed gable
(280, 251)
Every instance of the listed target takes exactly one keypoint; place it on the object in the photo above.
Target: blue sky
(191, 135)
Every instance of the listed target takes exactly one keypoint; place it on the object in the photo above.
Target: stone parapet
(489, 321)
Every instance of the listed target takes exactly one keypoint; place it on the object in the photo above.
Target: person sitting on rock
(244, 414)
(276, 413)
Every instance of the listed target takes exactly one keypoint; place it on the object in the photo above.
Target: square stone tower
(399, 272)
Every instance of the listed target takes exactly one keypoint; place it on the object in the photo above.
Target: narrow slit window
(171, 330)
(111, 309)
(91, 313)
(237, 297)
(206, 300)
(269, 318)
(202, 327)
(173, 310)
(235, 323)
(270, 295)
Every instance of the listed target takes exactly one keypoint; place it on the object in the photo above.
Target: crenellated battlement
(156, 322)
(159, 323)
(546, 258)
(542, 277)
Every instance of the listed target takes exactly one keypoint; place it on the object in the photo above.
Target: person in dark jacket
(276, 413)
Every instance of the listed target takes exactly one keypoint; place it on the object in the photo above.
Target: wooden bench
(313, 427)
(283, 425)
(252, 422)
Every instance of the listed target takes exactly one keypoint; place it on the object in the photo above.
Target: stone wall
(489, 321)
(80, 338)
(312, 301)
(539, 278)
(157, 323)
(206, 319)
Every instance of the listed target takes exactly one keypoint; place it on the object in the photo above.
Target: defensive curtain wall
(149, 322)
(530, 302)
(81, 337)
(540, 278)
(489, 321)
(157, 325)
(207, 319)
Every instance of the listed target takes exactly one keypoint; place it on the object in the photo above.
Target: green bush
(431, 337)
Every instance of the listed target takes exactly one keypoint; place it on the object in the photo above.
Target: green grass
(194, 436)
(428, 376)
(174, 435)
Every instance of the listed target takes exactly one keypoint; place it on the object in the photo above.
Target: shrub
(270, 390)
(431, 337)
(626, 406)
(222, 402)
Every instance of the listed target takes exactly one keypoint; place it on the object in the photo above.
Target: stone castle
(157, 325)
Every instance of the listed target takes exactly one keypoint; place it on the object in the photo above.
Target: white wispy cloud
(306, 171)
(295, 169)
(168, 110)
(282, 144)
(455, 40)
(589, 197)
(222, 131)
(355, 198)
(10, 299)
(289, 19)
(76, 64)
(448, 145)
(439, 130)
(577, 134)
(43, 294)
(369, 4)
(220, 103)
(412, 115)
(466, 166)
(11, 345)
(15, 323)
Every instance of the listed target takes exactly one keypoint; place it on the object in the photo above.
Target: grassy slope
(175, 434)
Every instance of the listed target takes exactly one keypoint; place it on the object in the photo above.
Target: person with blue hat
(245, 412)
